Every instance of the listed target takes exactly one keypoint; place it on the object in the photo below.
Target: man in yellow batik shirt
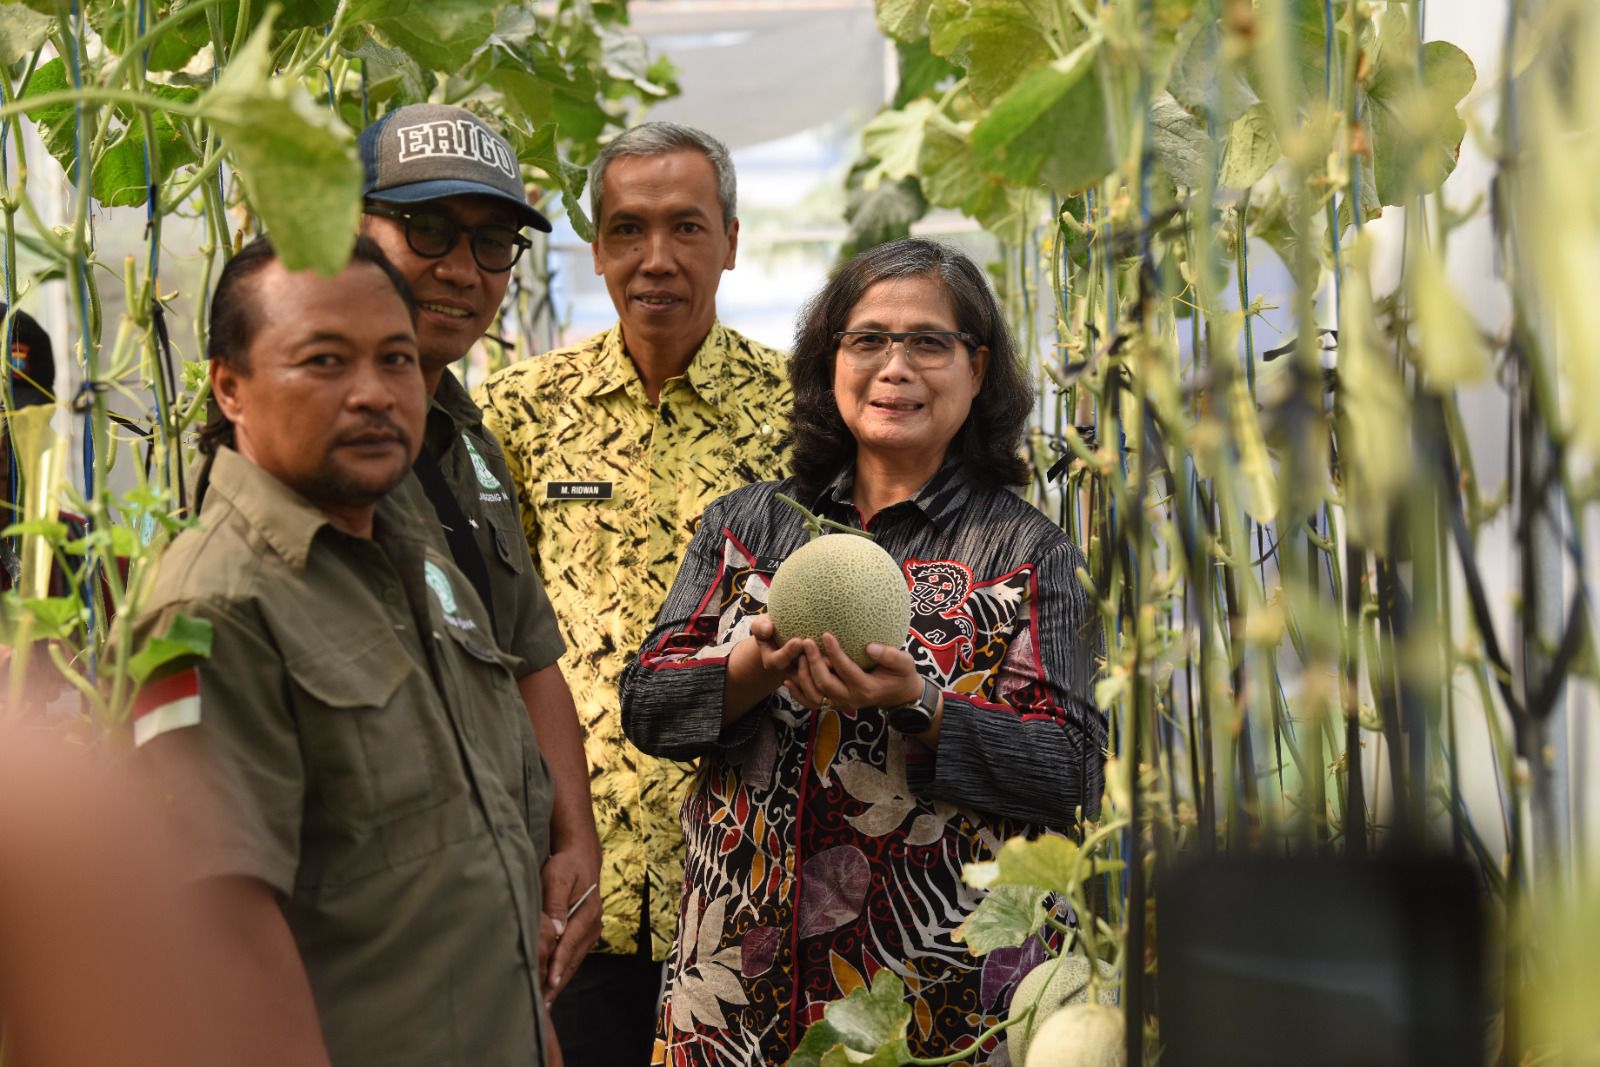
(617, 446)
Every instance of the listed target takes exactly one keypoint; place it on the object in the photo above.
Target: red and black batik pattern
(823, 846)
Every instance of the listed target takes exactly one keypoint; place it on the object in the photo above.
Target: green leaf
(442, 35)
(22, 31)
(1049, 861)
(1205, 84)
(119, 175)
(301, 14)
(1010, 214)
(1184, 147)
(56, 123)
(1182, 143)
(866, 1029)
(297, 160)
(56, 617)
(1007, 917)
(109, 540)
(920, 71)
(881, 214)
(185, 638)
(894, 139)
(173, 48)
(950, 176)
(540, 151)
(56, 533)
(544, 87)
(1416, 131)
(392, 75)
(995, 41)
(1307, 62)
(1252, 149)
(903, 20)
(624, 57)
(1053, 126)
(196, 375)
(665, 73)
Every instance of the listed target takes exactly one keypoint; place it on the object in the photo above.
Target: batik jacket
(823, 846)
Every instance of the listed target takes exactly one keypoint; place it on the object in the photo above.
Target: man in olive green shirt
(444, 199)
(354, 721)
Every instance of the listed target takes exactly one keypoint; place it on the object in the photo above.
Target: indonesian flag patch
(168, 703)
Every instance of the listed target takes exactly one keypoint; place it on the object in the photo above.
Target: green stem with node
(816, 523)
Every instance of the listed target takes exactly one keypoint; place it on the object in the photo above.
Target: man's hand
(566, 876)
(574, 863)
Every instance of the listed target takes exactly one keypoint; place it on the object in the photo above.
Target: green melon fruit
(840, 584)
(1050, 986)
(1079, 1035)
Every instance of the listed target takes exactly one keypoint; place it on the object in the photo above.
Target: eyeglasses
(429, 233)
(924, 349)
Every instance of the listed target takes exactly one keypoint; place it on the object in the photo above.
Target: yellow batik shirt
(612, 489)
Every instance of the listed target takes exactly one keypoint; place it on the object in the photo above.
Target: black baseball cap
(428, 151)
(32, 361)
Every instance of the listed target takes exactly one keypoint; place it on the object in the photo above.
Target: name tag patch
(577, 491)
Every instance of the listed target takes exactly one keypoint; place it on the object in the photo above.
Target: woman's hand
(834, 677)
(757, 666)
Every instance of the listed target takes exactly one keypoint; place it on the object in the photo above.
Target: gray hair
(658, 139)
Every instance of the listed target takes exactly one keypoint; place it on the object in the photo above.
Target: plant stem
(96, 94)
(977, 1045)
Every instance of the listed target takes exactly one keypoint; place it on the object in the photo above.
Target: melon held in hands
(843, 584)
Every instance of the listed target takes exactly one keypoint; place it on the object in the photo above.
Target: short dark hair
(989, 443)
(235, 318)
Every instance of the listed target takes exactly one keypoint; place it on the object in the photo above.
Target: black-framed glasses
(924, 349)
(434, 234)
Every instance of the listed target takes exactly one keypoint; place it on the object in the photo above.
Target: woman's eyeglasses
(924, 349)
(429, 233)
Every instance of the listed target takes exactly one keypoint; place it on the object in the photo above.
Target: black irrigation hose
(1355, 803)
(158, 318)
(1477, 597)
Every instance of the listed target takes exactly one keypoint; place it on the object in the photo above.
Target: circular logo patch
(485, 477)
(434, 575)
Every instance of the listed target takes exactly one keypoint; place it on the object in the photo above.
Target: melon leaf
(867, 1028)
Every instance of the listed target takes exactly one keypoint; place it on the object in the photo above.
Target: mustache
(373, 426)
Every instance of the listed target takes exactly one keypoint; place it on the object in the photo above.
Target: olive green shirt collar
(286, 520)
(450, 412)
(612, 369)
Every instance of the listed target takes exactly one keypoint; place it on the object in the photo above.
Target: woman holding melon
(851, 762)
